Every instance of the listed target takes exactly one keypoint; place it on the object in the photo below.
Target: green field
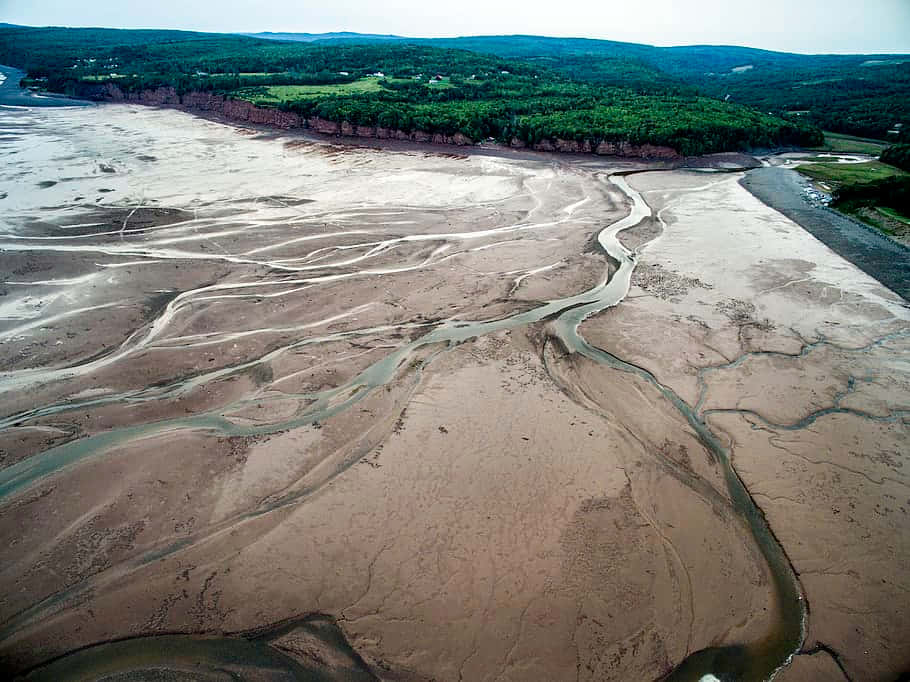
(273, 94)
(847, 144)
(850, 173)
(444, 84)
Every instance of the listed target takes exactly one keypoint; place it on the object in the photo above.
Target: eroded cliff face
(627, 149)
(243, 111)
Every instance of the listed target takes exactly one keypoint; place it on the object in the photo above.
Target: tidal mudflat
(274, 407)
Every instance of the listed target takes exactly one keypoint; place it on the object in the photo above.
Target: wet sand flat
(406, 415)
(797, 359)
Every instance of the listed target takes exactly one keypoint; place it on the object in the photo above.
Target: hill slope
(857, 94)
(407, 87)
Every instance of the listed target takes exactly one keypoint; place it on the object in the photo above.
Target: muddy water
(751, 661)
(12, 95)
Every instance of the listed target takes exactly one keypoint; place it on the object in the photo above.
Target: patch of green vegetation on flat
(848, 144)
(274, 94)
(894, 215)
(868, 216)
(444, 84)
(885, 219)
(875, 193)
(851, 173)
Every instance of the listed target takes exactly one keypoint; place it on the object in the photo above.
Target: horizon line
(249, 33)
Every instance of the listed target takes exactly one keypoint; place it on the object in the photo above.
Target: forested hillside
(854, 94)
(407, 87)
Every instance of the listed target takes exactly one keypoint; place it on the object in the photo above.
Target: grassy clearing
(444, 84)
(847, 144)
(273, 94)
(850, 173)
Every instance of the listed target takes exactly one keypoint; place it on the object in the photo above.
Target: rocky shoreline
(241, 111)
(872, 251)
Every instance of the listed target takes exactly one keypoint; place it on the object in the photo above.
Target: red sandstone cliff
(243, 111)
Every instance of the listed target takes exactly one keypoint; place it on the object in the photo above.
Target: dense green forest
(853, 94)
(864, 101)
(892, 192)
(898, 155)
(410, 86)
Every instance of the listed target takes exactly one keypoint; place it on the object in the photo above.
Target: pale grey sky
(789, 25)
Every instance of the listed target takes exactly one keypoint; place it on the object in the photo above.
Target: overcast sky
(812, 26)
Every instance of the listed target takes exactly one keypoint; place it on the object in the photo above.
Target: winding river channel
(562, 317)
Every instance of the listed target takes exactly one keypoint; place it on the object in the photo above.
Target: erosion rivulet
(264, 378)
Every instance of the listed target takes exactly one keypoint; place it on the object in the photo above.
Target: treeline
(482, 96)
(861, 100)
(74, 53)
(620, 72)
(893, 192)
(897, 155)
(692, 126)
(183, 83)
(852, 94)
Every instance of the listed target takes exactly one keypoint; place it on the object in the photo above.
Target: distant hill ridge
(515, 44)
(312, 37)
(865, 95)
